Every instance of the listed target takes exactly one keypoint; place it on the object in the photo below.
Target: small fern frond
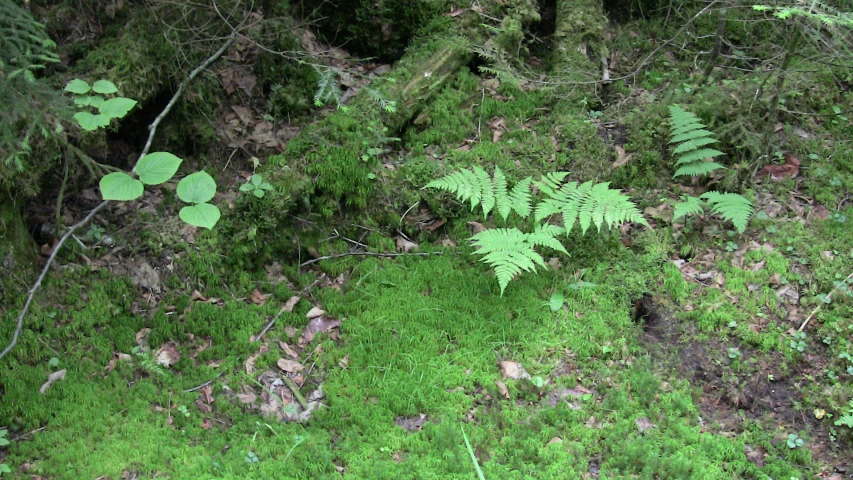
(687, 207)
(550, 183)
(508, 251)
(501, 198)
(691, 137)
(730, 206)
(697, 168)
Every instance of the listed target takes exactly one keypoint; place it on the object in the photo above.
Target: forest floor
(667, 352)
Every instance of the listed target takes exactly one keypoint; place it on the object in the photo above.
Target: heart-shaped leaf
(199, 187)
(104, 87)
(158, 167)
(78, 86)
(201, 215)
(120, 186)
(116, 107)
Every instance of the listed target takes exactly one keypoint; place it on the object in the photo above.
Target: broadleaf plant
(510, 251)
(152, 169)
(691, 138)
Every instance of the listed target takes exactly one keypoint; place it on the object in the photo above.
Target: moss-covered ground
(674, 352)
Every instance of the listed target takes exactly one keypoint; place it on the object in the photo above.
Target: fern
(488, 192)
(690, 135)
(587, 204)
(511, 251)
(730, 206)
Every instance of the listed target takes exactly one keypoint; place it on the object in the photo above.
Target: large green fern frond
(508, 251)
(589, 204)
(691, 137)
(475, 185)
(730, 206)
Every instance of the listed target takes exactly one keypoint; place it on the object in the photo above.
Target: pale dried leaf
(405, 245)
(513, 370)
(344, 362)
(319, 325)
(142, 337)
(413, 423)
(168, 354)
(290, 366)
(53, 377)
(315, 312)
(502, 389)
(251, 359)
(621, 157)
(644, 424)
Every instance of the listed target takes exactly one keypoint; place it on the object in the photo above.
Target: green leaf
(158, 167)
(53, 362)
(104, 87)
(91, 122)
(247, 187)
(201, 215)
(78, 86)
(257, 180)
(88, 101)
(120, 186)
(259, 192)
(116, 107)
(556, 302)
(199, 187)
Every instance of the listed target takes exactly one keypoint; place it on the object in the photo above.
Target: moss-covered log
(338, 155)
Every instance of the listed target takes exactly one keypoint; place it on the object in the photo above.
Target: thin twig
(817, 308)
(204, 384)
(152, 129)
(369, 254)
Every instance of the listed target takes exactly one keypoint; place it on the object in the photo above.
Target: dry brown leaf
(197, 297)
(404, 245)
(476, 227)
(413, 423)
(142, 337)
(622, 158)
(644, 424)
(513, 370)
(789, 169)
(53, 377)
(502, 389)
(315, 312)
(168, 354)
(248, 395)
(288, 349)
(290, 366)
(319, 325)
(258, 298)
(555, 440)
(456, 12)
(251, 359)
(344, 362)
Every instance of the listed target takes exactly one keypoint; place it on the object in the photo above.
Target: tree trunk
(579, 46)
(17, 247)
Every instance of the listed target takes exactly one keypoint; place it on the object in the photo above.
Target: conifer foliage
(511, 251)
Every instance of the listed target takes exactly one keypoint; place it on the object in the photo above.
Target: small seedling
(182, 409)
(798, 343)
(539, 382)
(3, 442)
(556, 302)
(256, 185)
(734, 353)
(794, 441)
(251, 458)
(53, 362)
